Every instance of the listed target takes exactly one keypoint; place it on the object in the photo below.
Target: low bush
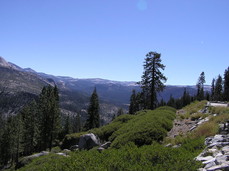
(55, 149)
(145, 127)
(106, 131)
(129, 157)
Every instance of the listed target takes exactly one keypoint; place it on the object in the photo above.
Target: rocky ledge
(216, 155)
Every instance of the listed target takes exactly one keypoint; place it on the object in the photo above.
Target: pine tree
(77, 123)
(162, 102)
(171, 102)
(218, 96)
(120, 112)
(200, 87)
(93, 120)
(134, 106)
(152, 79)
(213, 90)
(11, 140)
(68, 126)
(30, 128)
(186, 99)
(49, 112)
(226, 84)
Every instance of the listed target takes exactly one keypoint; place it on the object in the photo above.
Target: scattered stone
(176, 146)
(74, 147)
(66, 151)
(225, 150)
(209, 161)
(100, 149)
(106, 145)
(218, 167)
(192, 128)
(169, 145)
(211, 164)
(62, 154)
(43, 153)
(221, 159)
(88, 141)
(208, 158)
(26, 160)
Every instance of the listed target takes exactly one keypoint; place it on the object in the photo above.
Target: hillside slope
(135, 146)
(126, 153)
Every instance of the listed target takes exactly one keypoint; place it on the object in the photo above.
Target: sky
(109, 38)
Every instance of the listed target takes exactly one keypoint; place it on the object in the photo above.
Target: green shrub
(56, 149)
(145, 127)
(103, 132)
(129, 157)
(106, 131)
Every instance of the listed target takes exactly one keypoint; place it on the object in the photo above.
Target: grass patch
(194, 107)
(219, 110)
(198, 115)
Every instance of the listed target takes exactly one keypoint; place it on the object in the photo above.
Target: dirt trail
(181, 127)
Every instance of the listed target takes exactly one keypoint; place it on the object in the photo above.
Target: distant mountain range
(74, 93)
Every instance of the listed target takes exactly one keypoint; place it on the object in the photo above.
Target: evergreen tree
(207, 96)
(213, 90)
(162, 102)
(218, 95)
(134, 105)
(226, 84)
(11, 140)
(78, 122)
(171, 102)
(49, 113)
(93, 120)
(68, 126)
(120, 112)
(152, 79)
(30, 128)
(186, 99)
(200, 87)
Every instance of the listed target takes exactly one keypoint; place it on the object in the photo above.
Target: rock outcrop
(216, 155)
(88, 141)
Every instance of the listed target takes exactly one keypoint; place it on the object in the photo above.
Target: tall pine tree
(213, 90)
(134, 104)
(30, 128)
(218, 95)
(226, 84)
(200, 86)
(152, 79)
(49, 113)
(93, 120)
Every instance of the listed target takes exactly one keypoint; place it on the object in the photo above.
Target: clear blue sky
(110, 38)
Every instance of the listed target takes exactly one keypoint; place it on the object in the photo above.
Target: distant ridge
(75, 92)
